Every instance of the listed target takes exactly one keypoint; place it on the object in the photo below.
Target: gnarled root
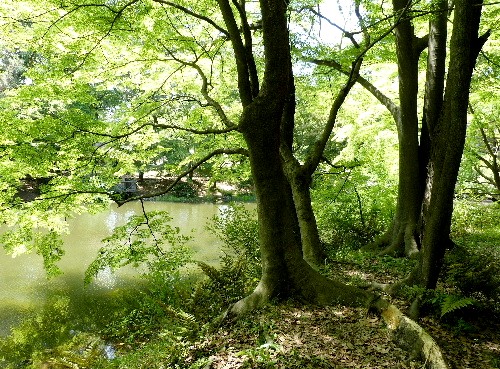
(410, 336)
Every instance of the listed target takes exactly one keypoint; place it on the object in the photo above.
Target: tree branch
(228, 151)
(191, 130)
(378, 94)
(314, 158)
(345, 33)
(240, 53)
(247, 34)
(118, 13)
(196, 15)
(420, 44)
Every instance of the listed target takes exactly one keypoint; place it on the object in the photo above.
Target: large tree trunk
(447, 142)
(284, 271)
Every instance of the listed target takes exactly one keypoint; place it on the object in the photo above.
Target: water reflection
(106, 278)
(23, 282)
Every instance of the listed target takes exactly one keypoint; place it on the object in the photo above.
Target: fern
(453, 302)
(210, 271)
(180, 315)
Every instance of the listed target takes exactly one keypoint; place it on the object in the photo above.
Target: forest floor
(294, 335)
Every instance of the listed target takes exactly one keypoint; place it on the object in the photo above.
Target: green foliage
(44, 329)
(237, 227)
(473, 265)
(185, 190)
(451, 303)
(47, 244)
(474, 271)
(83, 351)
(240, 267)
(347, 212)
(444, 304)
(146, 240)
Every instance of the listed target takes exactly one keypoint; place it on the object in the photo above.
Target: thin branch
(147, 224)
(196, 15)
(69, 12)
(195, 131)
(487, 143)
(361, 22)
(204, 89)
(484, 176)
(346, 33)
(483, 159)
(114, 137)
(118, 13)
(378, 94)
(155, 124)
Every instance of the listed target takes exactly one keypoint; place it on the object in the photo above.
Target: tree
(190, 59)
(429, 159)
(485, 149)
(265, 123)
(480, 171)
(447, 140)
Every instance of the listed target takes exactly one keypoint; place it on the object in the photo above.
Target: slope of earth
(468, 339)
(298, 336)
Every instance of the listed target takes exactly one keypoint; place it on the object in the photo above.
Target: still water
(23, 282)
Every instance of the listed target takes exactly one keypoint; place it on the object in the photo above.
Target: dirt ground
(298, 336)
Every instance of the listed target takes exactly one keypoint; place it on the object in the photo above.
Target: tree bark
(300, 175)
(312, 248)
(447, 141)
(284, 271)
(402, 236)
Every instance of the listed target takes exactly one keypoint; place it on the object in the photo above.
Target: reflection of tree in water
(106, 278)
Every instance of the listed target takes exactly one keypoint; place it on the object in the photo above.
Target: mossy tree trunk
(402, 237)
(284, 271)
(447, 139)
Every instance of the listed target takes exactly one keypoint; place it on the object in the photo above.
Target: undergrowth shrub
(185, 190)
(239, 269)
(443, 304)
(350, 214)
(473, 266)
(474, 271)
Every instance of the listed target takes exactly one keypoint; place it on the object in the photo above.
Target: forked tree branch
(377, 93)
(240, 53)
(387, 102)
(314, 159)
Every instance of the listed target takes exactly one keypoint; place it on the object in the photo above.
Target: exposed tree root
(403, 242)
(411, 337)
(407, 333)
(259, 297)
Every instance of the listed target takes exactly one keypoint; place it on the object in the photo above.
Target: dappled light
(249, 184)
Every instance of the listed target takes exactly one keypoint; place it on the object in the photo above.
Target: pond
(23, 282)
